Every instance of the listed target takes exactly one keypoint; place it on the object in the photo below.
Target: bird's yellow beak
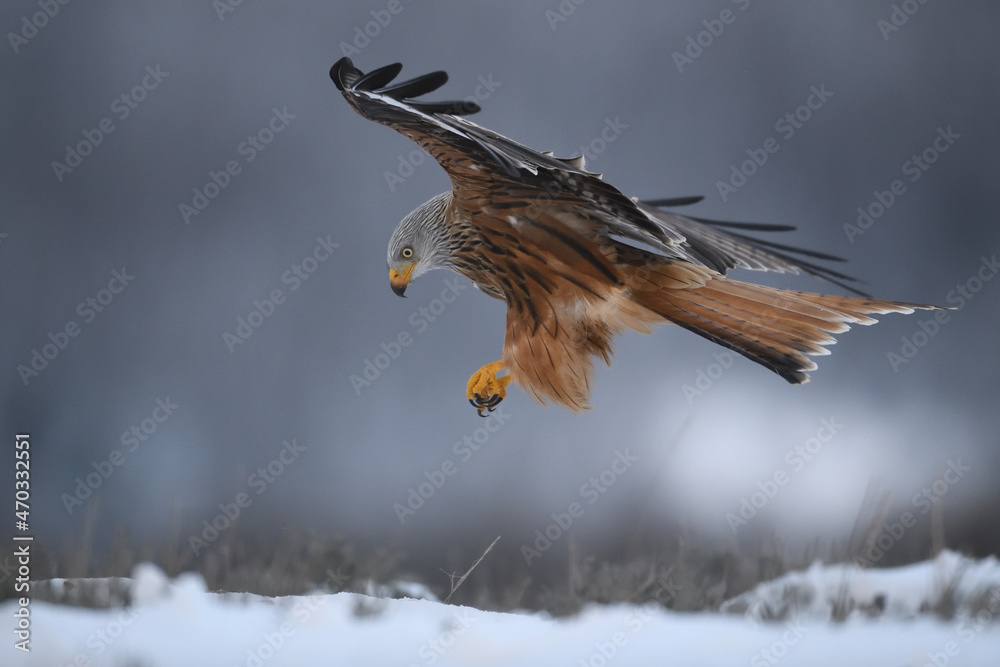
(399, 281)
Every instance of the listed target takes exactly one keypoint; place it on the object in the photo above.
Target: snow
(904, 592)
(180, 623)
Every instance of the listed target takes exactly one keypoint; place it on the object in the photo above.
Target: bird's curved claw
(486, 390)
(488, 403)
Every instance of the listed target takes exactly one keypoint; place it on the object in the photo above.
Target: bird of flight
(577, 261)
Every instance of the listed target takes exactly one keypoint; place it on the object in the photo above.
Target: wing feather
(493, 174)
(711, 244)
(477, 158)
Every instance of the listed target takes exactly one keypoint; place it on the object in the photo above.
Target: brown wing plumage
(486, 167)
(559, 245)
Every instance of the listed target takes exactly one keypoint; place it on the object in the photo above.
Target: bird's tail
(776, 328)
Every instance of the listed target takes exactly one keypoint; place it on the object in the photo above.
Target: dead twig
(454, 585)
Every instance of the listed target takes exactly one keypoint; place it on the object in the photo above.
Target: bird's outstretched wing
(490, 170)
(486, 166)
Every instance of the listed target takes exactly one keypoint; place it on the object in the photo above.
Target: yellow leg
(486, 390)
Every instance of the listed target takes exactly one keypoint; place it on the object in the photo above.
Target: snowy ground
(890, 619)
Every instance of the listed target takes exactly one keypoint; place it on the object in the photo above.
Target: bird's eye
(406, 253)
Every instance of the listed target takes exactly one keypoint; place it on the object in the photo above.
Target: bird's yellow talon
(486, 390)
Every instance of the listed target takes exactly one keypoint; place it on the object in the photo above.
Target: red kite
(577, 261)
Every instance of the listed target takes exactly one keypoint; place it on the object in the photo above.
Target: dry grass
(676, 573)
(682, 578)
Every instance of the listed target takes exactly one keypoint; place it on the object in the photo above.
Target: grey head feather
(425, 230)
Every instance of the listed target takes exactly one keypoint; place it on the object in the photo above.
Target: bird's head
(419, 244)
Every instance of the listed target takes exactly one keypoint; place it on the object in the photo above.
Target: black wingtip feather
(752, 226)
(777, 249)
(417, 86)
(673, 202)
(344, 73)
(453, 108)
(348, 78)
(378, 78)
(798, 251)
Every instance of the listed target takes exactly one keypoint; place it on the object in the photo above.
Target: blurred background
(197, 320)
